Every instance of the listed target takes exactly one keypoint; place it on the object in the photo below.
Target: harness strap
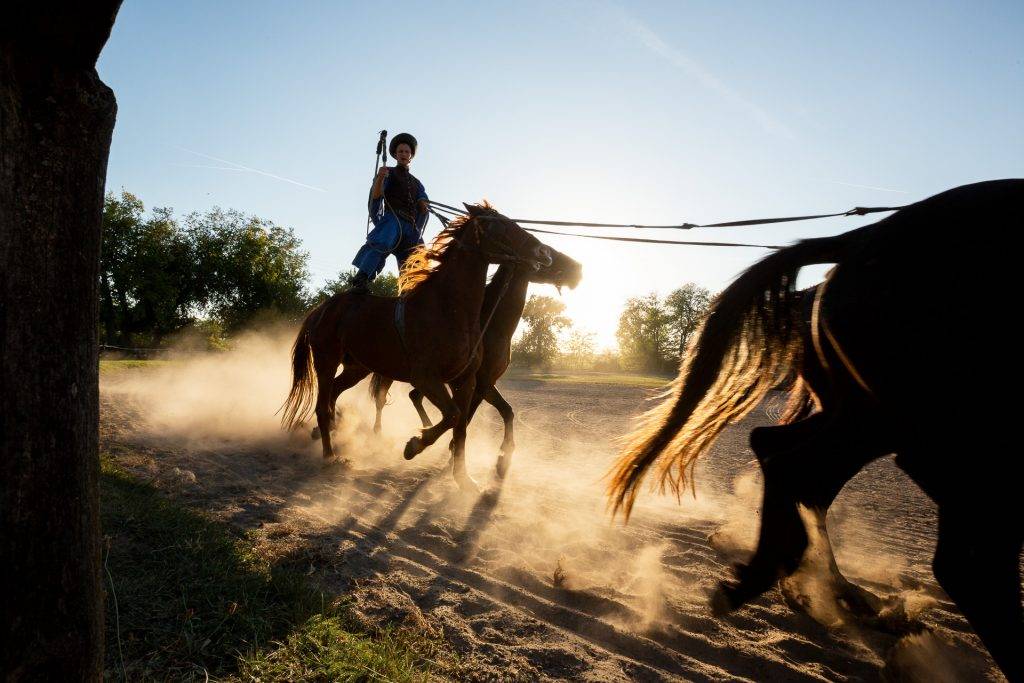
(400, 324)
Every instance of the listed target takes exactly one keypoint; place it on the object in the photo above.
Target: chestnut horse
(428, 336)
(918, 310)
(504, 300)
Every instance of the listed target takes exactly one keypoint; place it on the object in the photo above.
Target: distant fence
(132, 352)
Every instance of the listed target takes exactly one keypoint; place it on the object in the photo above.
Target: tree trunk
(56, 121)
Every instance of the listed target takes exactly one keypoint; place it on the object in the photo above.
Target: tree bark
(56, 121)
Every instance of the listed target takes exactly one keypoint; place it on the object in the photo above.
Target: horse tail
(376, 383)
(747, 344)
(301, 398)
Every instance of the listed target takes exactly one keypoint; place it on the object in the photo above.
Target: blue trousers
(389, 236)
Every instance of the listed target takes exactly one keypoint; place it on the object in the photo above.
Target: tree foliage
(644, 341)
(538, 344)
(158, 277)
(653, 333)
(385, 284)
(578, 350)
(686, 308)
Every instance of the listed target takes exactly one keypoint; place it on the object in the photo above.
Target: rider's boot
(360, 284)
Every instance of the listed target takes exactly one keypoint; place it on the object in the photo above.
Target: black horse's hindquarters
(881, 326)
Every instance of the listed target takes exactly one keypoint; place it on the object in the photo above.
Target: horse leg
(508, 443)
(416, 396)
(977, 556)
(380, 399)
(977, 563)
(466, 402)
(437, 393)
(325, 366)
(806, 462)
(351, 375)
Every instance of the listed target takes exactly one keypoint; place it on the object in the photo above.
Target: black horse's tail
(748, 342)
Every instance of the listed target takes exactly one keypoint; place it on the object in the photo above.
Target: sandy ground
(531, 580)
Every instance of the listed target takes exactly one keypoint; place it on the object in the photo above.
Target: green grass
(187, 599)
(616, 378)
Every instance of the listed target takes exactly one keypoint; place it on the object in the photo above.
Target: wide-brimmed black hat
(402, 138)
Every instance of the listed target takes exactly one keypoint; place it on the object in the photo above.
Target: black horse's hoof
(723, 599)
(315, 434)
(413, 447)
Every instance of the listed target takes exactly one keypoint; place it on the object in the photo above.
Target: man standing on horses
(399, 211)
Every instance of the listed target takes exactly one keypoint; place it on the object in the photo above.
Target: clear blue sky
(640, 112)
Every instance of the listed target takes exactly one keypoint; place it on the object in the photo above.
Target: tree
(248, 264)
(538, 344)
(221, 269)
(686, 308)
(578, 350)
(385, 284)
(643, 335)
(151, 282)
(56, 121)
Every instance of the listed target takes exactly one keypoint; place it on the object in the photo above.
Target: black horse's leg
(806, 462)
(977, 564)
(508, 443)
(416, 396)
(981, 534)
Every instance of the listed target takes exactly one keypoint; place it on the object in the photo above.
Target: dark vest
(401, 192)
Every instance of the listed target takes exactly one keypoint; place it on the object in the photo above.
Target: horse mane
(424, 261)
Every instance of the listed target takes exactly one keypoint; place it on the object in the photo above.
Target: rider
(399, 211)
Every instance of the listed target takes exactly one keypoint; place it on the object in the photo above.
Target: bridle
(505, 253)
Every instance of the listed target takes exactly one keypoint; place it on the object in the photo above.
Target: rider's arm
(422, 208)
(377, 191)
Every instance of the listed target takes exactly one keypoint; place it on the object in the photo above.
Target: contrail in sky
(653, 42)
(240, 167)
(215, 168)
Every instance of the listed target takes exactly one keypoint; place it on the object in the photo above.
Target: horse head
(501, 240)
(563, 272)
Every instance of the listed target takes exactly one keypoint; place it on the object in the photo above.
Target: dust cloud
(527, 565)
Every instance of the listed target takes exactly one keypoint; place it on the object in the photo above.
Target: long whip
(382, 145)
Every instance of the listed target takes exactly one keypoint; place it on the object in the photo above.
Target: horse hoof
(504, 462)
(315, 434)
(722, 599)
(376, 429)
(336, 462)
(413, 447)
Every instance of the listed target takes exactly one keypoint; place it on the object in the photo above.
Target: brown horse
(427, 336)
(504, 300)
(912, 314)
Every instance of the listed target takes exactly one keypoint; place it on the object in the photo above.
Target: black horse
(908, 348)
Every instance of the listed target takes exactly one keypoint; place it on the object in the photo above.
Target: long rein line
(856, 211)
(436, 207)
(644, 240)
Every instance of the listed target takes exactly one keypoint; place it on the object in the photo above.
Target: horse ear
(473, 209)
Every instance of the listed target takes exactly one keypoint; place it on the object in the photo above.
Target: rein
(856, 211)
